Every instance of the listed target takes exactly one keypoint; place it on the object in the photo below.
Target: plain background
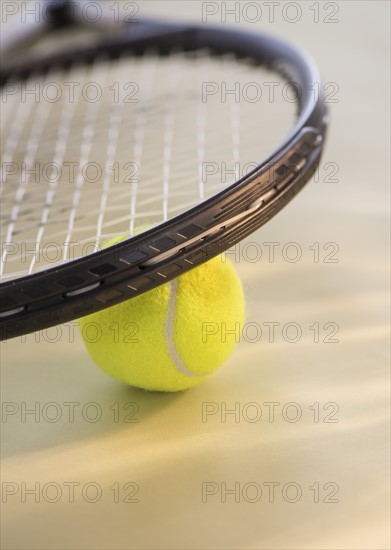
(172, 450)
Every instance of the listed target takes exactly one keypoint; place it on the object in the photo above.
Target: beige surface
(170, 452)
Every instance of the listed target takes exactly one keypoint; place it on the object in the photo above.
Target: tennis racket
(201, 133)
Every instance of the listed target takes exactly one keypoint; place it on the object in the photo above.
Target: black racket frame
(138, 264)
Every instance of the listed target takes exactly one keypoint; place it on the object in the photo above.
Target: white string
(37, 128)
(112, 141)
(202, 75)
(86, 146)
(17, 126)
(169, 135)
(168, 132)
(67, 114)
(146, 87)
(115, 123)
(235, 122)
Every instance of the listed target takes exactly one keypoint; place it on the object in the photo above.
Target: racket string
(148, 75)
(89, 129)
(37, 128)
(64, 130)
(173, 78)
(160, 155)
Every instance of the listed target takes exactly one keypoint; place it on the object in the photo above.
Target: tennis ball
(174, 336)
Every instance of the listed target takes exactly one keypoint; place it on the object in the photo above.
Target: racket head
(190, 141)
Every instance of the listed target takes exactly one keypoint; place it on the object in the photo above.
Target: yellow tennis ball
(174, 336)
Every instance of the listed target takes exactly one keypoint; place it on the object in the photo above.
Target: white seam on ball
(169, 332)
